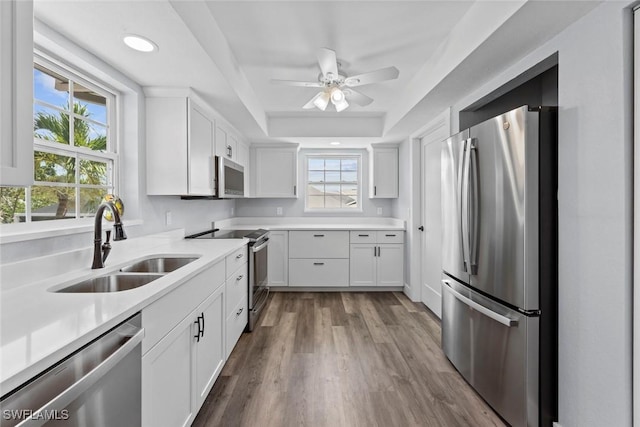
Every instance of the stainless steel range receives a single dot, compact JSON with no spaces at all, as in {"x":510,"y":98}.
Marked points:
{"x":258,"y":250}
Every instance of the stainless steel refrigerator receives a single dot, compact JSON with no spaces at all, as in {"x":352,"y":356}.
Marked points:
{"x":499,"y":258}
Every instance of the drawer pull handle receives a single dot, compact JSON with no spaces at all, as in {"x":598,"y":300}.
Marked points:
{"x":239,"y":256}
{"x":318,"y":235}
{"x":390,"y":235}
{"x":363,"y":235}
{"x":240,"y":311}
{"x":318,"y":263}
{"x":239,"y":277}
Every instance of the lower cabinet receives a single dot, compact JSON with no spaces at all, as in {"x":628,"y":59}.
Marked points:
{"x":278,"y":258}
{"x":209,"y":348}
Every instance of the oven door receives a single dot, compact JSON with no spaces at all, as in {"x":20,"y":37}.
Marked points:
{"x":258,"y":279}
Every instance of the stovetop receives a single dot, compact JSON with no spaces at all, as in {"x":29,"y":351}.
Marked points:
{"x":252,"y":235}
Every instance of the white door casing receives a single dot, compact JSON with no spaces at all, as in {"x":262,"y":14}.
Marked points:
{"x":636,"y":225}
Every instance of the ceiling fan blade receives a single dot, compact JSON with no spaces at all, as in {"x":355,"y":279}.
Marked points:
{"x":311,"y":104}
{"x":327,"y":61}
{"x":358,"y":97}
{"x":381,"y":75}
{"x":296,"y":83}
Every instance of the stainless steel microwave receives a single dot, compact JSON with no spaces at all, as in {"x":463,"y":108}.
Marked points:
{"x":229,"y":178}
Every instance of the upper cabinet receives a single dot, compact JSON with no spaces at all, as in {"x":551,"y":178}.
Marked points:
{"x":226,"y":143}
{"x":383,"y":172}
{"x":180,"y":147}
{"x":16,"y":93}
{"x":275,"y":170}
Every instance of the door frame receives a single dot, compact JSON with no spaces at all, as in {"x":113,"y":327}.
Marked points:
{"x":440,"y":123}
{"x":636,"y":221}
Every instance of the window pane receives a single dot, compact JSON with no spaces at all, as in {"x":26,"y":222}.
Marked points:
{"x":349,"y":196}
{"x":349,"y":176}
{"x":90,"y":135}
{"x":91,"y":104}
{"x":316,"y":176}
{"x":332,"y":190}
{"x":90,"y":199}
{"x":316,"y":164}
{"x":350,"y":164}
{"x":52,"y":203}
{"x":315,"y":190}
{"x":51,"y":167}
{"x":50,"y":87}
{"x":315,"y":202}
{"x":50,"y":124}
{"x":332,"y":176}
{"x":94,"y":172}
{"x":12,"y":204}
{"x":332,"y":164}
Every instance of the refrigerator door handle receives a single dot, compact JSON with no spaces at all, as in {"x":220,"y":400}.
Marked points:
{"x":474,"y":210}
{"x":464,"y":197}
{"x":478,"y":307}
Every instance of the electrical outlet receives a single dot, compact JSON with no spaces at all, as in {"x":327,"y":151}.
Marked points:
{"x":168,"y":218}
{"x":379,"y":211}
{"x":233,"y":211}
{"x":279,"y":211}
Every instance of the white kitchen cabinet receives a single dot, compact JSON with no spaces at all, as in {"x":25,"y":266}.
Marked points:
{"x":226,"y":143}
{"x":236,"y":310}
{"x":376,"y":264}
{"x":383,"y":172}
{"x":180,"y":147}
{"x":275,"y":171}
{"x":16,"y":93}
{"x":318,"y":258}
{"x":244,"y":159}
{"x":183,"y":349}
{"x":278,"y":258}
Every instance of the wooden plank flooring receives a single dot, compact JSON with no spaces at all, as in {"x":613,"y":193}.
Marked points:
{"x":343,"y":359}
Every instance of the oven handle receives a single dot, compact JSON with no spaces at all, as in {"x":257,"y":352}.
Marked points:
{"x":262,"y":246}
{"x":262,"y":302}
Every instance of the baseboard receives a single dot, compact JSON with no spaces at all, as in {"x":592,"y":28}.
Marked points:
{"x":335,"y":289}
{"x":408,"y":291}
{"x":433,"y":300}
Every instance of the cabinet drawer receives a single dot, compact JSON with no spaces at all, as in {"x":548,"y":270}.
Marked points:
{"x":319,"y":244}
{"x":318,"y":272}
{"x":364,"y":236}
{"x":163,"y":315}
{"x":394,"y":236}
{"x":236,"y":322}
{"x":237,"y":288}
{"x":235,"y":260}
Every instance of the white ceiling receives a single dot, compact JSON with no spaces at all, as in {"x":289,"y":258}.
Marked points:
{"x":229,"y":50}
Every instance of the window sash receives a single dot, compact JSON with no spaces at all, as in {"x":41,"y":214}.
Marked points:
{"x":335,"y":183}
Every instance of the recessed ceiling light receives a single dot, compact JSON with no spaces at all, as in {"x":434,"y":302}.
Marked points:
{"x":334,"y":143}
{"x":139,"y":43}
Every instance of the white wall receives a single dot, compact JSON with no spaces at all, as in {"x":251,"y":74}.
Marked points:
{"x":295,"y":207}
{"x":595,"y":209}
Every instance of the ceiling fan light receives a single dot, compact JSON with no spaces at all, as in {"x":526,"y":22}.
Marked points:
{"x":321,"y":100}
{"x":337,"y":96}
{"x":341,"y":105}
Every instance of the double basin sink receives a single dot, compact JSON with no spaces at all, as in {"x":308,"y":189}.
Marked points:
{"x":130,"y":277}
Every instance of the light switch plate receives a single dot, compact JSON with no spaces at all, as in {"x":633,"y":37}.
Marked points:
{"x":279,"y":211}
{"x":379,"y":211}
{"x":168,"y":219}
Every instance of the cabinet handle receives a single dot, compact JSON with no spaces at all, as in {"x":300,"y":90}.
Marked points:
{"x":294,"y":190}
{"x":378,"y":250}
{"x":390,"y":235}
{"x":202,"y":331}
{"x":318,"y":235}
{"x":363,"y":235}
{"x":229,"y":151}
{"x":239,"y":256}
{"x":239,"y":311}
{"x":375,"y":190}
{"x":318,"y":263}
{"x":375,"y":251}
{"x":199,"y":332}
{"x":239,"y":277}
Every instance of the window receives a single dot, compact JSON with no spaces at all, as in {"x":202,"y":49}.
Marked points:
{"x":74,"y":149}
{"x":333,"y":182}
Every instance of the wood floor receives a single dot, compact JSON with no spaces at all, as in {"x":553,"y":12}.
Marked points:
{"x":343,"y":359}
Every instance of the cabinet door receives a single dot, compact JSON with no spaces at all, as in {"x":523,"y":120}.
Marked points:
{"x":232,"y":147}
{"x":390,"y":265}
{"x":384,"y":173}
{"x":276,"y":172}
{"x":278,"y":258}
{"x":221,"y":142}
{"x":362,"y":269}
{"x":244,"y":159}
{"x":200,"y":152}
{"x":209,"y":350}
{"x":16,"y":93}
{"x":167,"y":398}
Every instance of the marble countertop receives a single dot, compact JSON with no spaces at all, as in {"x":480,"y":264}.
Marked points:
{"x":39,"y":327}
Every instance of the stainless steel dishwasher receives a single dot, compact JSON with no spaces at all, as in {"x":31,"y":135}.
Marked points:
{"x":98,"y":385}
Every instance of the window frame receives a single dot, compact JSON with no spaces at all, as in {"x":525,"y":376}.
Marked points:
{"x":333,"y":155}
{"x":109,"y":156}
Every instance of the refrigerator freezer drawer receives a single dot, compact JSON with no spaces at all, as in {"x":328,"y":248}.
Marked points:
{"x":495,"y":349}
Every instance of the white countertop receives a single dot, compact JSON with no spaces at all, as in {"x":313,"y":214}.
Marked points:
{"x":312,"y":223}
{"x":39,"y":327}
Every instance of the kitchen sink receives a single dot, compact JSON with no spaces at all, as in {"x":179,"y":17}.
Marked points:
{"x":111,"y":283}
{"x":158,"y":265}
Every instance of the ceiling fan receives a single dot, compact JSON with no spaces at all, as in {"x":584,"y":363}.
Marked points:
{"x":338,"y":88}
